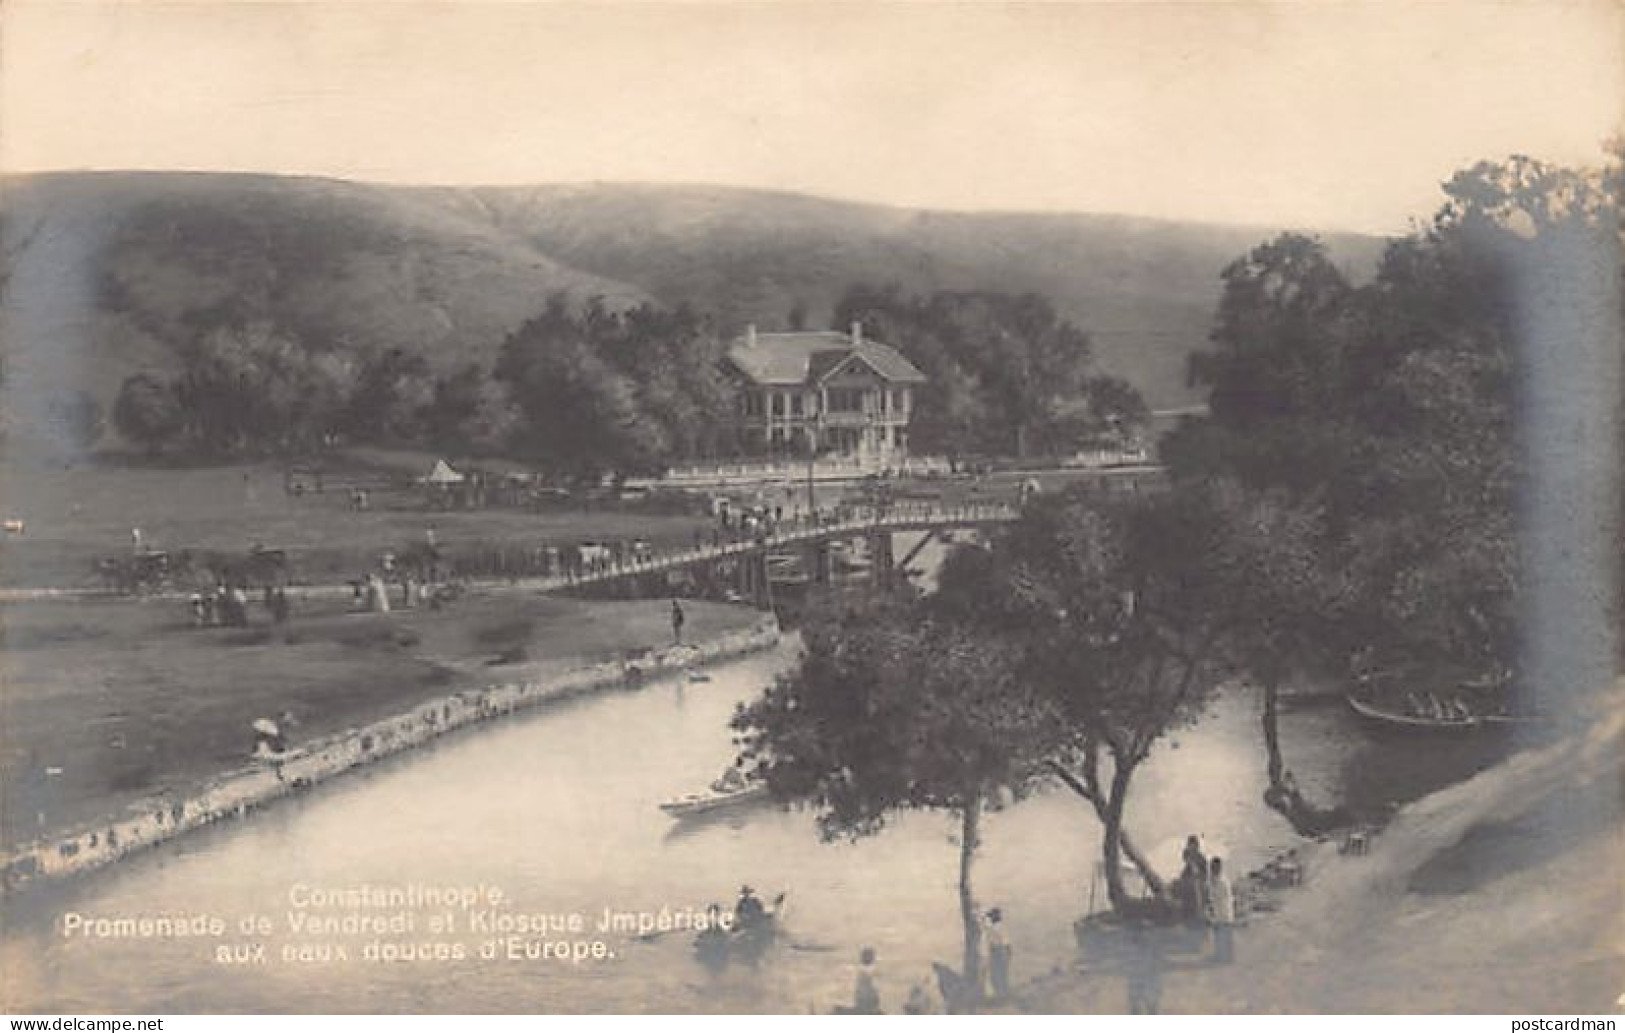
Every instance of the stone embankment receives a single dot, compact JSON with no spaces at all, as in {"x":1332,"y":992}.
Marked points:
{"x":236,"y":793}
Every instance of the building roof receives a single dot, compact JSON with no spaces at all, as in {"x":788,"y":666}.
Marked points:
{"x":806,"y":357}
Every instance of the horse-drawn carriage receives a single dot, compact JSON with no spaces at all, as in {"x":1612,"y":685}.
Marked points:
{"x":144,"y":573}
{"x":155,"y":571}
{"x":258,"y":568}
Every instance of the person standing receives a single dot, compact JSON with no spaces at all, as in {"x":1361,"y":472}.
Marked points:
{"x":998,"y":954}
{"x":865,"y":987}
{"x":1221,"y":903}
{"x":678,"y":619}
{"x":1193,"y":883}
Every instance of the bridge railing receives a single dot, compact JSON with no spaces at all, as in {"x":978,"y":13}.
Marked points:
{"x":795,"y":530}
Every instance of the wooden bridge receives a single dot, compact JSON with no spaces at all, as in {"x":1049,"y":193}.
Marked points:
{"x":742,"y":562}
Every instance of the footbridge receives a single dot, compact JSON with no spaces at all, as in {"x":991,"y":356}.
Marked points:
{"x":739,"y":561}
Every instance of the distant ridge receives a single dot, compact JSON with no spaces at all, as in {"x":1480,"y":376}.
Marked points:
{"x":104,"y":272}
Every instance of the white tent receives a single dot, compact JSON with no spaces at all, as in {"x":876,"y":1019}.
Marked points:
{"x":443,"y":474}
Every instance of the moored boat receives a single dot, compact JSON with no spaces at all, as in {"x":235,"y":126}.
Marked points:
{"x":1451,"y":717}
{"x":730,"y":790}
{"x":1399,"y":719}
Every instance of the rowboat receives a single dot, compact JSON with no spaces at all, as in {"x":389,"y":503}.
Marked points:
{"x":1443,"y":723}
{"x":1395,"y":718}
{"x":713,"y":799}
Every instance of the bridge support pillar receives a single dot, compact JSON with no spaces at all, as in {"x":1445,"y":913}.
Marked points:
{"x":819,"y":562}
{"x":880,"y":557}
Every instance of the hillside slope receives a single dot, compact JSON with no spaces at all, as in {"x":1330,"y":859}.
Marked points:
{"x":105,"y":273}
{"x":1145,"y":289}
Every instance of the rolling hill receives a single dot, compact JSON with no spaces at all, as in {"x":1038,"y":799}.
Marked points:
{"x":105,"y":272}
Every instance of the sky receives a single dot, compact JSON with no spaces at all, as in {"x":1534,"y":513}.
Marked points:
{"x":1314,"y":114}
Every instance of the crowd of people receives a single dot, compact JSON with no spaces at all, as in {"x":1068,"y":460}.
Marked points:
{"x":1206,"y":902}
{"x":223,"y":606}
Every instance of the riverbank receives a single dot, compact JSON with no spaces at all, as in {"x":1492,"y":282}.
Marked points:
{"x":356,"y":686}
{"x":1500,"y":894}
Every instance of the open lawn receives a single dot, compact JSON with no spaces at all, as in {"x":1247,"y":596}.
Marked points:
{"x":74,"y":516}
{"x":108,"y":701}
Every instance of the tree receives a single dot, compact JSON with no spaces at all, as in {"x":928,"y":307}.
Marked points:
{"x":1000,"y":367}
{"x":1112,"y":414}
{"x":1406,"y":415}
{"x":470,"y":411}
{"x":581,"y":416}
{"x":147,"y":411}
{"x":252,"y":386}
{"x":1116,"y":617}
{"x":1272,"y":355}
{"x":1286,"y":610}
{"x":893,"y":710}
{"x":393,"y":393}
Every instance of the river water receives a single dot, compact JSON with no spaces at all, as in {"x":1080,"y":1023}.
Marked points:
{"x":558,"y":808}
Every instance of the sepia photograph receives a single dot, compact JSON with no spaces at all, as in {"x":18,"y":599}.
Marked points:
{"x":729,"y":508}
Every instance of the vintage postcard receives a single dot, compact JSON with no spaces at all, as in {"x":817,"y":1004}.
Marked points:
{"x":811,"y":508}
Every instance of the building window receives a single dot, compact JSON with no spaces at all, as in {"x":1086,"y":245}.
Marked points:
{"x":845,"y":399}
{"x":795,"y":405}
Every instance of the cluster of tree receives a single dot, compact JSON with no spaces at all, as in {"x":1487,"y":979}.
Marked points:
{"x":1351,"y":504}
{"x":1064,"y":648}
{"x":243,"y":387}
{"x":1008,"y":376}
{"x":1422,"y":418}
{"x":629,"y":392}
{"x":578,"y":393}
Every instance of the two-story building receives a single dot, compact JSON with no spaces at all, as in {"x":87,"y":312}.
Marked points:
{"x":824,"y":391}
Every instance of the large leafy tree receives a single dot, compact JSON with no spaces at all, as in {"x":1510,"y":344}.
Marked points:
{"x":1116,"y":611}
{"x":251,"y":386}
{"x":147,"y":412}
{"x":580,"y":414}
{"x":1408,"y":414}
{"x":1002,"y":367}
{"x":624,"y":392}
{"x":893,"y":708}
{"x":393,"y":393}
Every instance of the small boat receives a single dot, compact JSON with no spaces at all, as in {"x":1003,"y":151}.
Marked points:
{"x":718,"y":945}
{"x":720,"y":795}
{"x":1442,"y":721}
{"x":1453,"y":719}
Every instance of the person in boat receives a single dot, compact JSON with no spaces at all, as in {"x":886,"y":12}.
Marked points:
{"x":711,"y":945}
{"x":732,"y":781}
{"x":749,"y":912}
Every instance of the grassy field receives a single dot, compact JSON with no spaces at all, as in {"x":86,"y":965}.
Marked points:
{"x":107,"y":701}
{"x":74,"y":516}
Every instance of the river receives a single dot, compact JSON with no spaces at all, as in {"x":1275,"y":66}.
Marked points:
{"x":558,"y":809}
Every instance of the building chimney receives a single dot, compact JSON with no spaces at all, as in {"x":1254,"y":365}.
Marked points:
{"x":857,"y":333}
{"x":750,"y":336}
